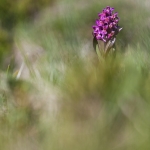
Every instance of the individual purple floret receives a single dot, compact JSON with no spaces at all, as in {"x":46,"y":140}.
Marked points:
{"x":106,"y":27}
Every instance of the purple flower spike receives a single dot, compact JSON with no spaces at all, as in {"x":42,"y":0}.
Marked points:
{"x":106,"y":27}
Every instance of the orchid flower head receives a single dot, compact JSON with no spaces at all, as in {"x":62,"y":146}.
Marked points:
{"x":106,"y":27}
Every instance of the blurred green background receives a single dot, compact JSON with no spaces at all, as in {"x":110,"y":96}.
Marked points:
{"x":56,"y":94}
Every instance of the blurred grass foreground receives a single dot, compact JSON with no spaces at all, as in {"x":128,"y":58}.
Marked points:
{"x":54,"y":92}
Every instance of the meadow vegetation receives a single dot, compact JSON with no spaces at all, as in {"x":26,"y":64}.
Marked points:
{"x":65,"y":97}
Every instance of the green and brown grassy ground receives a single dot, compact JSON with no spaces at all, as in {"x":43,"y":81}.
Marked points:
{"x":65,"y":98}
